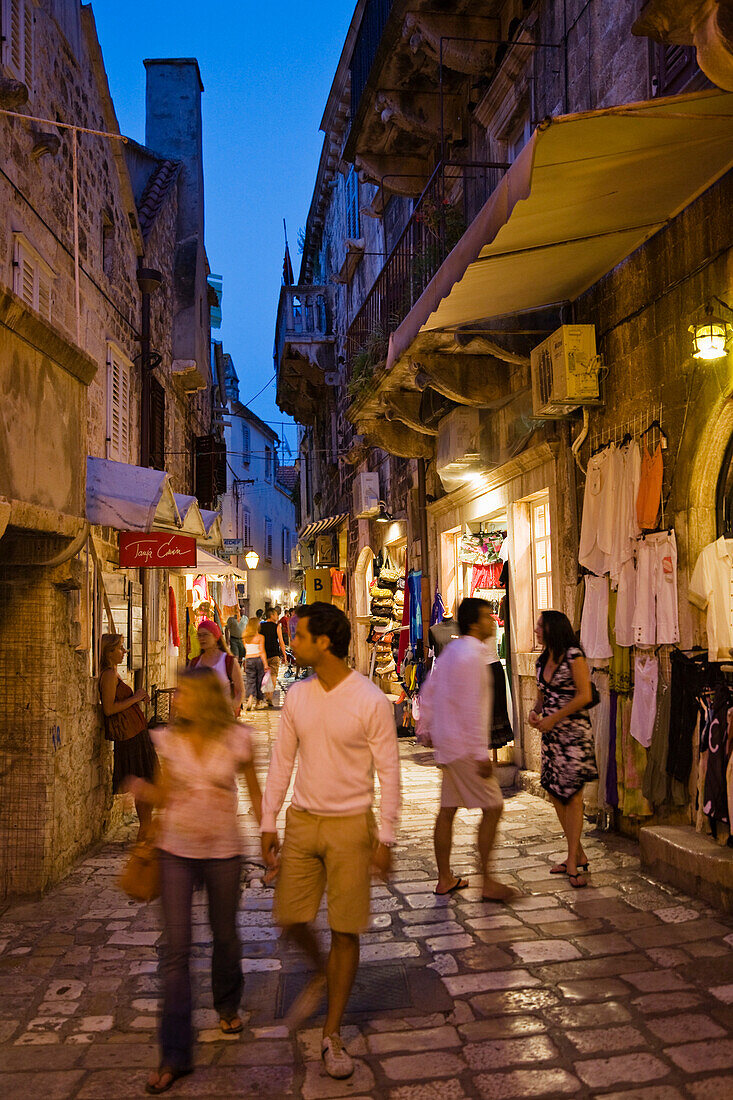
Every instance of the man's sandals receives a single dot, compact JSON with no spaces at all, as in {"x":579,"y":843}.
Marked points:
{"x":459,"y":884}
{"x":232,"y":1026}
{"x":578,"y":880}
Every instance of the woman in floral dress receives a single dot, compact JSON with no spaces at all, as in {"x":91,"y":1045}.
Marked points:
{"x":560,"y":712}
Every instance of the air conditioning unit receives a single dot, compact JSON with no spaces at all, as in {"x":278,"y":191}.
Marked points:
{"x":458,"y":451}
{"x":565,"y":370}
{"x":366,"y":495}
{"x":325,"y":551}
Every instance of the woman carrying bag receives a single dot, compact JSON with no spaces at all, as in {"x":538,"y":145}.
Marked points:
{"x":198,"y":840}
{"x":255,"y":663}
{"x":215,"y":655}
{"x":560,"y":713}
{"x":125,"y":725}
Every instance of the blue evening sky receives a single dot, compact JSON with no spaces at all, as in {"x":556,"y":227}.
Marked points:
{"x":266,"y":69}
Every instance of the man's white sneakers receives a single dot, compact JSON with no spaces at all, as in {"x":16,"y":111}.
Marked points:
{"x":337,"y":1061}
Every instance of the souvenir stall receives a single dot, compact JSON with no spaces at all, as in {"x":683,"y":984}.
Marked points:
{"x":662,"y":735}
{"x":213,"y":589}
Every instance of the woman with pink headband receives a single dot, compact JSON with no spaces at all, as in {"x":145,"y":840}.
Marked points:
{"x":215,"y":655}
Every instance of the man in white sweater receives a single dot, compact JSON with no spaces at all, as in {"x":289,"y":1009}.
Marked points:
{"x":342,"y":727}
{"x":456,"y":711}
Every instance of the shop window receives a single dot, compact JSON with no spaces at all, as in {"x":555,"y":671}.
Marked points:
{"x":541,"y":554}
{"x":17,"y":39}
{"x":118,"y":405}
{"x":353,"y":227}
{"x":268,"y":463}
{"x":268,"y":539}
{"x":33,"y":278}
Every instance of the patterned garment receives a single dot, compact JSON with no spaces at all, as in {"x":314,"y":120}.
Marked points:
{"x":568,"y":757}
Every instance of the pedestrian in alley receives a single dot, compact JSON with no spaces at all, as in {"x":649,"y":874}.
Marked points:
{"x":255,"y":663}
{"x":198,"y":843}
{"x":560,"y":713}
{"x":274,"y":648}
{"x":234,"y":635}
{"x":341,"y":726}
{"x":125,"y":725}
{"x":216,"y":656}
{"x":456,"y":713}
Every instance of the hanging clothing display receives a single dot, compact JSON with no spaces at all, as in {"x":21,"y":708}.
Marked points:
{"x":404,"y":635}
{"x":630,"y":765}
{"x":200,"y":589}
{"x":644,"y":706}
{"x":649,"y":496}
{"x":337,"y":582}
{"x":437,"y":612}
{"x":659,"y":787}
{"x":611,"y":772}
{"x":690,"y":674}
{"x":711,"y":589}
{"x":656,"y":616}
{"x":599,"y":718}
{"x":414,"y":585}
{"x":626,"y":603}
{"x":173,"y":635}
{"x":596,"y":532}
{"x":486,"y":576}
{"x":481,"y":549}
{"x":627,"y":472}
{"x":621,"y":677}
{"x":594,"y":621}
{"x":714,"y":738}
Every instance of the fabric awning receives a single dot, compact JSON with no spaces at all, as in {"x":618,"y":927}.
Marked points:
{"x":584,"y":193}
{"x":211,"y":565}
{"x":322,"y":526}
{"x":136,"y":498}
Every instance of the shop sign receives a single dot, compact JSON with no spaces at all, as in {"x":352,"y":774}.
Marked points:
{"x":233,"y":546}
{"x":156,"y":550}
{"x":318,"y":585}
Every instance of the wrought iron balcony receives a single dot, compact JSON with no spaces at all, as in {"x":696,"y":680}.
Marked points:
{"x":304,"y":349}
{"x":451,"y":200}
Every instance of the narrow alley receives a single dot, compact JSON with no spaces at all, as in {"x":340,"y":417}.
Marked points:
{"x":622,"y":989}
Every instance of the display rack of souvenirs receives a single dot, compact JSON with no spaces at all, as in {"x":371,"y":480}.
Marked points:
{"x":386,"y":601}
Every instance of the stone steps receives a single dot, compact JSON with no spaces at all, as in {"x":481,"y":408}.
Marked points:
{"x":690,"y":861}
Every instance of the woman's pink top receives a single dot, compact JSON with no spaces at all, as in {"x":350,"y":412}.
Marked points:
{"x":199,"y":819}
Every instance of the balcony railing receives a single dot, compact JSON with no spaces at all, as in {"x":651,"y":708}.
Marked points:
{"x":374,"y":20}
{"x":303,"y":315}
{"x":454,"y":195}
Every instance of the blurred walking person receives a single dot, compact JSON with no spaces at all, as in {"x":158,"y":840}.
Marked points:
{"x":234,"y":635}
{"x":274,"y":648}
{"x":198,"y":840}
{"x":125,"y":725}
{"x":342,"y":727}
{"x":456,"y":713}
{"x":255,"y":663}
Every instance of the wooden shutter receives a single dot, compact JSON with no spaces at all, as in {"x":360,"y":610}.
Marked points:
{"x":16,"y":35}
{"x":28,"y":274}
{"x":17,"y":29}
{"x":27,"y":12}
{"x":268,"y":539}
{"x":118,"y":408}
{"x":44,"y":296}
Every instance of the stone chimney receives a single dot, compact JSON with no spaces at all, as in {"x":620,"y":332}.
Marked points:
{"x":173,"y":130}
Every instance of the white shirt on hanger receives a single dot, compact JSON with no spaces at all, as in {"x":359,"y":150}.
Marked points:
{"x":596,"y":534}
{"x":711,"y":589}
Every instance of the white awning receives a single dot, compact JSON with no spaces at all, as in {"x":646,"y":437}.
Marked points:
{"x":585,"y":192}
{"x":211,"y":566}
{"x":322,"y":526}
{"x":136,"y":498}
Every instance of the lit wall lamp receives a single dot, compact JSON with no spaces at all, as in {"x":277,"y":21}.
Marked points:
{"x":710,"y":335}
{"x":384,"y":516}
{"x":252,"y":559}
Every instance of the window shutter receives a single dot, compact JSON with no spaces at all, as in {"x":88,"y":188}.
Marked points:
{"x":27,"y":281}
{"x":27,"y":9}
{"x":16,"y":35}
{"x":124,"y":412}
{"x":44,"y":296}
{"x":118,"y":403}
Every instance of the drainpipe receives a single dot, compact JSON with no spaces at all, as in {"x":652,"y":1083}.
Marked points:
{"x":148,"y":280}
{"x":422,"y":506}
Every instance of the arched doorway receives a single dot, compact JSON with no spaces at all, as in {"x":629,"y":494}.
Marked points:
{"x":362,"y":579}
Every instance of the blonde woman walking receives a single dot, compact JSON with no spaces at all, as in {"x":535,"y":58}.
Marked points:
{"x":199,"y":843}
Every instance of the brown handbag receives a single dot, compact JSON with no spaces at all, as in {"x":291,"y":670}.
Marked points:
{"x":140,"y":877}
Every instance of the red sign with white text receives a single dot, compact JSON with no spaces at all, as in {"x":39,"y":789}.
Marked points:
{"x":156,"y":550}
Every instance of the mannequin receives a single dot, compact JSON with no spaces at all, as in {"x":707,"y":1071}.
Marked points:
{"x":443,"y":632}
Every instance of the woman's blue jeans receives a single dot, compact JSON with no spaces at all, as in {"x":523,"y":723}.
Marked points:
{"x":179,"y":876}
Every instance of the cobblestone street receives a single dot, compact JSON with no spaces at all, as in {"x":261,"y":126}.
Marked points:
{"x":623,"y":989}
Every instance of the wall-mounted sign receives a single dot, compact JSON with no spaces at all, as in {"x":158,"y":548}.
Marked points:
{"x":318,"y":585}
{"x":156,"y":550}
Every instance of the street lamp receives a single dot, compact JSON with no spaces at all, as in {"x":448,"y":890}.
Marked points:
{"x":384,"y":516}
{"x":252,"y":559}
{"x":710,"y":334}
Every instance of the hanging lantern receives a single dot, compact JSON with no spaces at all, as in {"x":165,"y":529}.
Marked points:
{"x":709,"y":336}
{"x":252,"y":559}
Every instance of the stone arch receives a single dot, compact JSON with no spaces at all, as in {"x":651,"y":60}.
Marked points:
{"x":361,"y":604}
{"x":706,"y":465}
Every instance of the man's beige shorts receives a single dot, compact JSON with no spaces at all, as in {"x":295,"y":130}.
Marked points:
{"x":273,"y":663}
{"x":325,"y":852}
{"x":463,"y":786}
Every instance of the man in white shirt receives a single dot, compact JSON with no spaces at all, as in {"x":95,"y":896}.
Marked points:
{"x":456,"y":710}
{"x":342,"y":727}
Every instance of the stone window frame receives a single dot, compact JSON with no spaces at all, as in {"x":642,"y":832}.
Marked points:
{"x":18,"y":26}
{"x":536,"y":541}
{"x":119,"y":374}
{"x":33,"y":277}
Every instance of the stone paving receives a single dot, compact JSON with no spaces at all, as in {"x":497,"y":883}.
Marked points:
{"x":623,"y":989}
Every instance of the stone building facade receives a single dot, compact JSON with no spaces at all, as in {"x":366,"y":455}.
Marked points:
{"x":450,"y":380}
{"x":71,"y":379}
